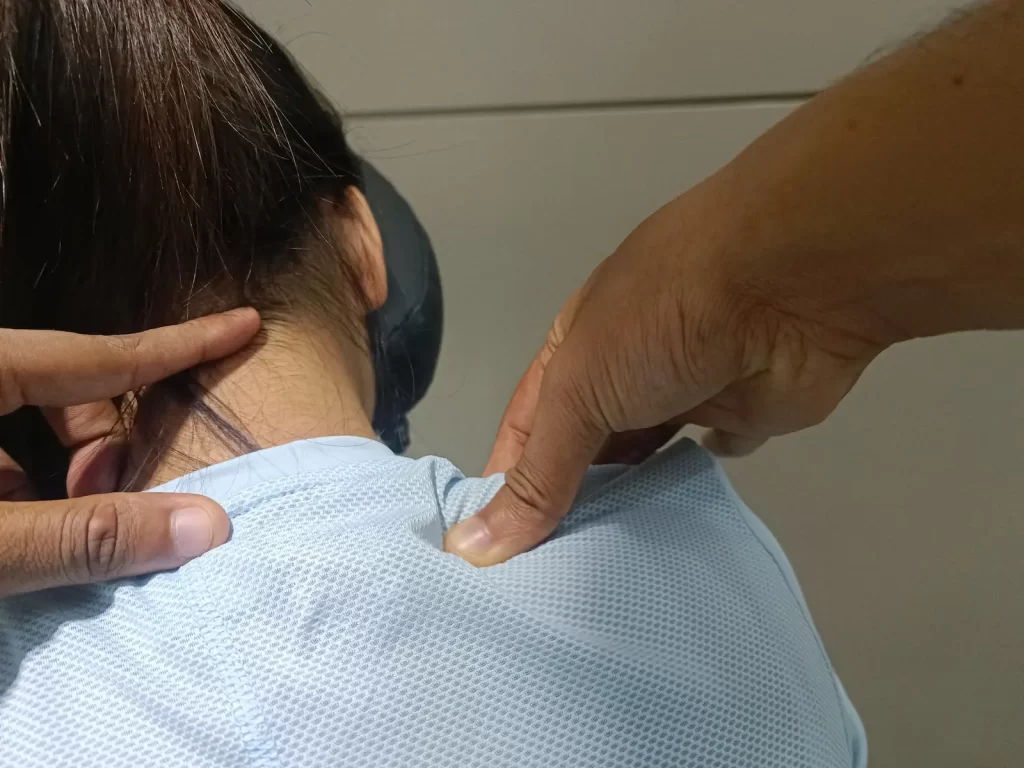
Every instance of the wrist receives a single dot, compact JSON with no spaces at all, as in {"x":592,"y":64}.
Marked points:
{"x":866,"y":230}
{"x":775,"y":254}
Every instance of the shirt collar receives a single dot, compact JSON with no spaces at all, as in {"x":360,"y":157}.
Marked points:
{"x":222,"y":481}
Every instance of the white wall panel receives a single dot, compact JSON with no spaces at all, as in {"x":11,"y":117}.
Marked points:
{"x":386,"y":55}
{"x":902,"y":514}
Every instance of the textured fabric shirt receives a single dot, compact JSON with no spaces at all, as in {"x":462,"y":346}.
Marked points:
{"x":661,"y":626}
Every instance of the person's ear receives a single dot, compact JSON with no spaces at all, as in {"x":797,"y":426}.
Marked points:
{"x":362,"y":245}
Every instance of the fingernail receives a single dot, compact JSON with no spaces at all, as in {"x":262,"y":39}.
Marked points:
{"x":471,"y":537}
{"x":192,"y":531}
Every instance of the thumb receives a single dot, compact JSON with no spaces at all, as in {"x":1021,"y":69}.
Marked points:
{"x":98,"y":538}
{"x":540,"y":488}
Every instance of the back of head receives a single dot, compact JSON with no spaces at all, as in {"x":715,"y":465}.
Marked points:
{"x":161,"y":161}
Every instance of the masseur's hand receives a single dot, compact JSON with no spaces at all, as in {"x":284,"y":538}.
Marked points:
{"x":889,"y":207}
{"x":101,"y":537}
{"x":637,"y":353}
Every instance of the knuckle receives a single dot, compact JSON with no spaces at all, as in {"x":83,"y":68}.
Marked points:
{"x":127,"y":344}
{"x":702,"y":337}
{"x":194,"y":339}
{"x":517,"y":435}
{"x":534,"y":505}
{"x":12,"y":395}
{"x":590,"y":395}
{"x":556,"y":334}
{"x":97,"y":541}
{"x":552,"y":341}
{"x":128,"y":348}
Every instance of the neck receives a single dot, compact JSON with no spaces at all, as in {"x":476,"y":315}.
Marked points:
{"x":293,"y":383}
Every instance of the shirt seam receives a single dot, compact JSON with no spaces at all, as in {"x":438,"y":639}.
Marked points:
{"x":739,"y":506}
{"x":261,"y":751}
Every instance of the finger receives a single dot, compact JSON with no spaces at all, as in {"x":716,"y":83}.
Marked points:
{"x":51,"y":368}
{"x":14,"y":483}
{"x":518,"y":419}
{"x":98,"y":538}
{"x":731,"y":445}
{"x":517,"y":422}
{"x":638,"y":445}
{"x":96,"y":440}
{"x":730,"y":433}
{"x":540,"y":488}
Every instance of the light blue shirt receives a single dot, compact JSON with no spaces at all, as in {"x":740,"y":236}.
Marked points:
{"x":661,"y":626}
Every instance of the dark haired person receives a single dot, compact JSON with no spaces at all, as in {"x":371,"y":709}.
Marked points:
{"x":164,"y":161}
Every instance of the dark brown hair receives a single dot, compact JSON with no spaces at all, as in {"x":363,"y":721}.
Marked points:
{"x":160,"y":160}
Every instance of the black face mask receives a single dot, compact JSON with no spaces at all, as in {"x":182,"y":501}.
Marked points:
{"x":406,"y":331}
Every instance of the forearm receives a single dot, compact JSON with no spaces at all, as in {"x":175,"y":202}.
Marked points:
{"x":899,"y":191}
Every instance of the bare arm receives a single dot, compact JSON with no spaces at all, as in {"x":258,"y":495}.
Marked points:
{"x":888,"y":207}
{"x":900,"y":191}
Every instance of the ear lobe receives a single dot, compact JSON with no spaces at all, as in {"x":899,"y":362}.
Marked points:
{"x":365,"y":248}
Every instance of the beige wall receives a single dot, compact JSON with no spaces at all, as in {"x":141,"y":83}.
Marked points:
{"x":532,"y":136}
